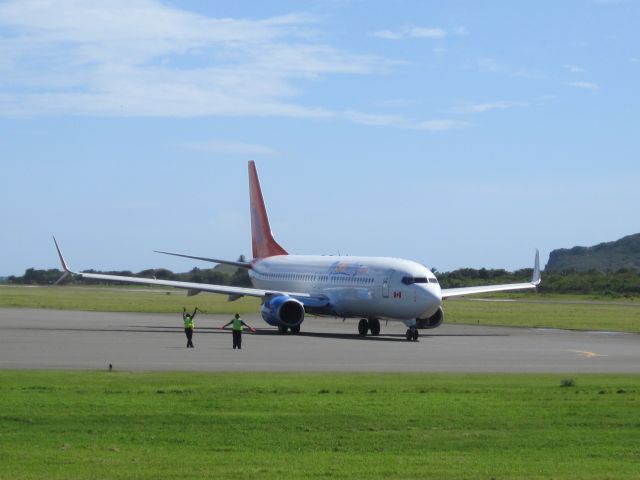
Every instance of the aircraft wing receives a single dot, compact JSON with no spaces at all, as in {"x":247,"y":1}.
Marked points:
{"x":459,"y":292}
{"x":194,"y":287}
{"x":190,"y":286}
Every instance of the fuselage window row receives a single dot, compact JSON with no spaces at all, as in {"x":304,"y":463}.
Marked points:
{"x":326,"y":278}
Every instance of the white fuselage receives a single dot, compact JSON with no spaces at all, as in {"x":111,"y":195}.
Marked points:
{"x":365,"y":287}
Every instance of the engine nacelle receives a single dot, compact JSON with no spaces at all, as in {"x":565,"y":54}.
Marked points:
{"x":283,"y":311}
{"x":433,"y":321}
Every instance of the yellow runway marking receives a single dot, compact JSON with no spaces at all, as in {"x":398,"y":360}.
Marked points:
{"x":587,"y":354}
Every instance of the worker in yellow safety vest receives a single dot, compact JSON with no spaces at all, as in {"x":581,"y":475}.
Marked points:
{"x":187,"y":318}
{"x":237,"y":327}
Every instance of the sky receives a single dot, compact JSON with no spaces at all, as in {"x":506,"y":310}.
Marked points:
{"x":457,"y":133}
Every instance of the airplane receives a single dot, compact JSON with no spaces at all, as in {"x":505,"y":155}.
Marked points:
{"x":294,"y":286}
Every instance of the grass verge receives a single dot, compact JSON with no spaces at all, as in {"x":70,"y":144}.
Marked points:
{"x":120,"y":299}
{"x":609,"y":316}
{"x":192,"y":425}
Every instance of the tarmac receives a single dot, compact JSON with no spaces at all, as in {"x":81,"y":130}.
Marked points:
{"x":71,"y":340}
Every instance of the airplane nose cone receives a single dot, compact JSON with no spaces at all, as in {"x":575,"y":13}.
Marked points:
{"x":430,"y":299}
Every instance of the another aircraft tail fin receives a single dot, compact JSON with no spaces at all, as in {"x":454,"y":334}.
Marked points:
{"x":264,"y":245}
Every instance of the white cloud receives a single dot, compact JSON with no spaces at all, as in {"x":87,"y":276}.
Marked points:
{"x":145,"y":58}
{"x":547,"y":98}
{"x":398,"y":121}
{"x":377,"y":119}
{"x":441,"y":125}
{"x":411,"y":32}
{"x":439,"y":51}
{"x":584,"y":85}
{"x":475,"y":108}
{"x":399,"y":102}
{"x":491,"y":65}
{"x":427,"y":32}
{"x":227,"y":147}
{"x":488,"y":65}
{"x":573,"y":68}
{"x":387,"y":35}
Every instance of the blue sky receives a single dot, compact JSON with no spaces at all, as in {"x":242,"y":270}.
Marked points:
{"x":457,"y":134}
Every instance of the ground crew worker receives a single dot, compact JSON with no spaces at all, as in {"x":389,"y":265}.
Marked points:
{"x":238,"y":324}
{"x":187,"y":318}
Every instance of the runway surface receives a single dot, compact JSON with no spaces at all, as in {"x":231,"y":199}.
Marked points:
{"x":49,"y":339}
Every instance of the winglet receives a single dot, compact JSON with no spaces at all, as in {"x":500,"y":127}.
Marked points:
{"x":535,"y":279}
{"x":67,"y":272}
{"x":264,"y":245}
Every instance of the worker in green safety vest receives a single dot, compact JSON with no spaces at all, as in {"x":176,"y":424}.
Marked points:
{"x":187,"y":318}
{"x":237,"y":327}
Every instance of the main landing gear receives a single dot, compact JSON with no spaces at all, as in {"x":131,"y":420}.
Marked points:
{"x":372,"y":325}
{"x":412,"y":334}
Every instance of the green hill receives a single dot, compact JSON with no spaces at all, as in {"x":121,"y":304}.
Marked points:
{"x":609,"y":256}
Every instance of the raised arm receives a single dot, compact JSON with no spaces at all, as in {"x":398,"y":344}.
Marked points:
{"x":248,"y":326}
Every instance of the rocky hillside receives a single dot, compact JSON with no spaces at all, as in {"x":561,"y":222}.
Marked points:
{"x":609,"y":256}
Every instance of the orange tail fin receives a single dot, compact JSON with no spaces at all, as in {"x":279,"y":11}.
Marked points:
{"x":263,"y":242}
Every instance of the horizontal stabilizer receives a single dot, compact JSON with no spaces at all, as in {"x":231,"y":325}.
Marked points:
{"x":212,"y":260}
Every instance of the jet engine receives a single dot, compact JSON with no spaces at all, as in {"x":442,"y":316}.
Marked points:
{"x":433,"y":321}
{"x":283,"y":311}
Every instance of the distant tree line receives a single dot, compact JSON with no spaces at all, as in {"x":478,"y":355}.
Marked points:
{"x":624,"y":282}
{"x":239,"y":278}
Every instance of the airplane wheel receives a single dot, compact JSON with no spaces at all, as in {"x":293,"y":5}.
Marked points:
{"x":295,"y":329}
{"x":374,"y":326}
{"x":412,"y":334}
{"x":282,"y":329}
{"x":363,"y":326}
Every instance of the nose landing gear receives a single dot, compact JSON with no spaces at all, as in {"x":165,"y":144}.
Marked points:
{"x":412,"y":334}
{"x":283,"y":330}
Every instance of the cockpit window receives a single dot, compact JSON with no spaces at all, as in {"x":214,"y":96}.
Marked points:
{"x":412,"y":280}
{"x":433,"y":280}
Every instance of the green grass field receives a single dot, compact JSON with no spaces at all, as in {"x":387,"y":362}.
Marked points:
{"x":120,"y":299}
{"x":180,"y":425}
{"x":586,"y":313}
{"x":611,"y":316}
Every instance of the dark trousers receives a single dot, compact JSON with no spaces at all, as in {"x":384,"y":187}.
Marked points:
{"x":237,"y":339}
{"x":189,"y":333}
